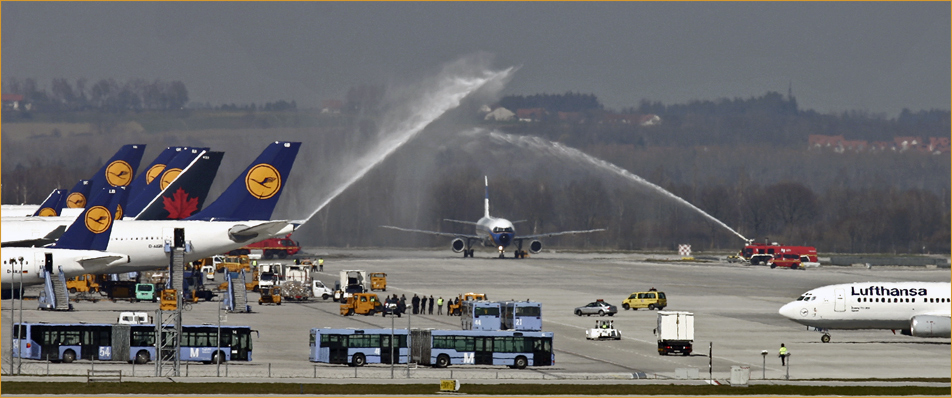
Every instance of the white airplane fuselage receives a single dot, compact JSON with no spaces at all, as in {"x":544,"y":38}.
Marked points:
{"x":144,"y":241}
{"x":870,"y":305}
{"x":26,"y":264}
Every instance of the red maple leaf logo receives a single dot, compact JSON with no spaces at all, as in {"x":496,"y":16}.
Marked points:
{"x":179,"y":205}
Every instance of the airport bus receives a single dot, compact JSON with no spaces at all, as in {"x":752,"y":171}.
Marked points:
{"x":441,"y":348}
{"x":521,"y":315}
{"x":356,"y":347}
{"x":480,"y":315}
{"x":67,"y":342}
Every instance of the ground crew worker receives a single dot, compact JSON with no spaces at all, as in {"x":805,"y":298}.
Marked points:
{"x":423,"y":305}
{"x":320,"y":264}
{"x":783,"y":355}
{"x":439,"y":306}
{"x":431,"y":304}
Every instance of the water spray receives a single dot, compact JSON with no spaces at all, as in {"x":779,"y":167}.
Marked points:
{"x":557,"y":149}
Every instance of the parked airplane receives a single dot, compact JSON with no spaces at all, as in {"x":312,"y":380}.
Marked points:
{"x":79,"y":251}
{"x":186,"y":193}
{"x":153,"y":170}
{"x":52,"y":205}
{"x":148,"y":193}
{"x":919,"y":309}
{"x":492,"y":232}
{"x":241,"y":215}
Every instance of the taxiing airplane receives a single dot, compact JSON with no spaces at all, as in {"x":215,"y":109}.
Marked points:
{"x":492,"y":232}
{"x":919,"y":309}
{"x":79,"y":251}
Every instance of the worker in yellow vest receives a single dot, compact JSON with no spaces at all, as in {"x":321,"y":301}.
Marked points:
{"x":783,"y":355}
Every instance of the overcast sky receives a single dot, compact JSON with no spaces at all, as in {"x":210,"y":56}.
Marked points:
{"x":876,"y":57}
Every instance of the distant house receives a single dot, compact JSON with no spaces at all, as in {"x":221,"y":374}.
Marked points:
{"x":938,"y":145}
{"x":531,"y":114}
{"x":907,"y":143}
{"x":649,"y":120}
{"x":332,"y":106}
{"x":499,"y":114}
{"x":571,"y":117}
{"x":14,"y":102}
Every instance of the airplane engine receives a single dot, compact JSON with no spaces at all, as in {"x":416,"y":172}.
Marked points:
{"x":535,"y":247}
{"x":458,"y":245}
{"x":931,"y":326}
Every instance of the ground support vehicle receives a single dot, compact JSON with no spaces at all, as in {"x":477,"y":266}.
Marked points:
{"x":147,"y":292}
{"x":378,"y":281}
{"x":269,"y":295}
{"x":86,"y":283}
{"x":453,"y":308}
{"x":652,"y":300}
{"x":295,"y":291}
{"x":319,"y":290}
{"x":675,"y":332}
{"x":271,"y":248}
{"x":357,"y":347}
{"x":598,"y":307}
{"x":762,"y":253}
{"x":604,"y":330}
{"x":441,"y":348}
{"x":362,"y":303}
{"x":792,"y":261}
{"x":480,"y":315}
{"x":351,"y":282}
{"x":134,"y":318}
{"x":521,"y":315}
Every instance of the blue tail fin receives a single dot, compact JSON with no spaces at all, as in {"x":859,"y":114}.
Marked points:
{"x":255,"y":192}
{"x":175,"y":166}
{"x":78,"y":195}
{"x":186,"y":195}
{"x":91,"y":229}
{"x":149,"y":173}
{"x":119,"y":170}
{"x":53,"y":204}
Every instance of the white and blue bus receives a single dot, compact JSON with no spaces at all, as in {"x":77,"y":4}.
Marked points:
{"x":480,"y":315}
{"x":67,"y":342}
{"x":357,"y":347}
{"x":441,"y":348}
{"x":521,"y":315}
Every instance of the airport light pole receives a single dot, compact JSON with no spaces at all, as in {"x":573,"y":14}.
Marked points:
{"x":218,"y":343}
{"x":20,"y":357}
{"x":391,"y":345}
{"x":764,"y":368}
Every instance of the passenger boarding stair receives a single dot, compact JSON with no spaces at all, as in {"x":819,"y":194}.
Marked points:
{"x":236,"y":298}
{"x":55,"y":296}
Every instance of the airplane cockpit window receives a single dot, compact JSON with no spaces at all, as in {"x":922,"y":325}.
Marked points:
{"x":800,"y":298}
{"x":501,"y":229}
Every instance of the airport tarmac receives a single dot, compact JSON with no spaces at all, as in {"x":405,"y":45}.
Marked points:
{"x":735,"y":309}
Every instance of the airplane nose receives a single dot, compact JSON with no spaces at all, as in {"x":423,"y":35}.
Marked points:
{"x":791,"y":310}
{"x":504,"y":239}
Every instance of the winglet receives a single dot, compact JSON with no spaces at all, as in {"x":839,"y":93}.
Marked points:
{"x":255,"y":193}
{"x":486,"y":202}
{"x":91,"y":230}
{"x":53,"y":204}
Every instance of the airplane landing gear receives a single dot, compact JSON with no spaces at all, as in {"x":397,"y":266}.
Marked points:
{"x":825,"y":338}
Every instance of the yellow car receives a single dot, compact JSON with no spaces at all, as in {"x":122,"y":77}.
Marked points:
{"x":652,"y":300}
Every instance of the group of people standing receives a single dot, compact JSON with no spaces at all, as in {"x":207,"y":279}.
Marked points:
{"x":419,"y":305}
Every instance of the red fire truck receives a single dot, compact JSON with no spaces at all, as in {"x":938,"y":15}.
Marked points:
{"x":777,"y":255}
{"x":271,"y":248}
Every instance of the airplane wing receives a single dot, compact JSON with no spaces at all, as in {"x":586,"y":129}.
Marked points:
{"x":431,"y":232}
{"x":101,"y":261}
{"x":560,"y":233}
{"x":37,"y":242}
{"x":457,"y":221}
{"x":242,"y":233}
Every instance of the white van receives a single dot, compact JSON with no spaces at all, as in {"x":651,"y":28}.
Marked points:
{"x":209,"y":271}
{"x":319,"y":290}
{"x":133,"y":318}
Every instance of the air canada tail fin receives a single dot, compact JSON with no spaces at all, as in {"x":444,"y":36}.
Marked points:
{"x":486,"y":202}
{"x":254,"y":194}
{"x":186,"y":194}
{"x":53,"y":204}
{"x":78,"y":195}
{"x":151,"y":172}
{"x":119,"y":170}
{"x":179,"y":162}
{"x":91,"y":230}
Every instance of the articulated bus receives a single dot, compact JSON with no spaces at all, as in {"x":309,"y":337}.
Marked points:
{"x":356,"y":347}
{"x":67,"y":342}
{"x":480,"y":315}
{"x":441,"y":348}
{"x":521,"y":315}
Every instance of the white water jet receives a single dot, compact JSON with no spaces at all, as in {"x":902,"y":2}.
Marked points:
{"x":557,"y":149}
{"x":450,"y":88}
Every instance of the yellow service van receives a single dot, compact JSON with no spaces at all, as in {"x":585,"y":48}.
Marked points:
{"x":652,"y":300}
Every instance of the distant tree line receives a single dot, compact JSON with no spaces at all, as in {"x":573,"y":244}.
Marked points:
{"x":568,"y":102}
{"x":106,"y":95}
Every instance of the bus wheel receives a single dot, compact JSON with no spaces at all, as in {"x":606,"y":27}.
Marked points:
{"x":142,"y":357}
{"x":359,"y":360}
{"x":217,"y":357}
{"x":520,"y":363}
{"x":442,"y":361}
{"x":69,"y":356}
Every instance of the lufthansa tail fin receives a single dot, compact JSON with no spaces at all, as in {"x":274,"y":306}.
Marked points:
{"x":179,"y":162}
{"x":53,"y":204}
{"x":119,"y":170}
{"x":255,"y":193}
{"x":186,"y":194}
{"x":151,"y":172}
{"x":78,"y":195}
{"x":91,"y":230}
{"x":486,"y":202}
